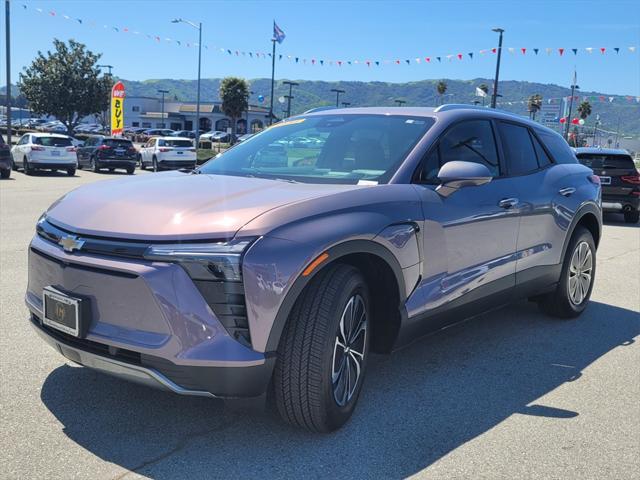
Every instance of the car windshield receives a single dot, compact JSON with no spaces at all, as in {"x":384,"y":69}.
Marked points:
{"x":115,"y":143}
{"x":53,"y":141}
{"x":175,"y":143}
{"x":599,"y":161}
{"x":325,"y":149}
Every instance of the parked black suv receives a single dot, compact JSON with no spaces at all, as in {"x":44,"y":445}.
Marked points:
{"x":619,"y":178}
{"x":5,"y":159}
{"x":100,"y":152}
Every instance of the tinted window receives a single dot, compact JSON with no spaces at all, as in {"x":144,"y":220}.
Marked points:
{"x":519,"y":154}
{"x":53,"y":141}
{"x":543,"y":158}
{"x":599,"y":161}
{"x":470,"y":141}
{"x":117,"y":143}
{"x":557,"y":146}
{"x":175,"y":143}
{"x":326,"y":149}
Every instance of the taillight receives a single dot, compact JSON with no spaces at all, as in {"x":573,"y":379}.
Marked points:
{"x":164,"y":150}
{"x":132,"y":150}
{"x":594,"y":179}
{"x":71,"y":149}
{"x":634,"y":179}
{"x":104,"y":147}
{"x":36,"y":148}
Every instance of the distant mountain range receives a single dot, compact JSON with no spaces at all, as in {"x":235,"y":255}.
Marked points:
{"x":620,"y":113}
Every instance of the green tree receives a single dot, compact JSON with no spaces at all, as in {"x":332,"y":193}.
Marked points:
{"x":441,"y":88}
{"x":234,"y":93}
{"x":66,"y":83}
{"x":534,"y":104}
{"x":584,"y":109}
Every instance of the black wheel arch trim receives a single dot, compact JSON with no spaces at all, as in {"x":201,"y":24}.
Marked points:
{"x":585,"y":209}
{"x":335,"y":253}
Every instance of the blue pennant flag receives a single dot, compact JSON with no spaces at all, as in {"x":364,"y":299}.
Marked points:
{"x":278,"y":34}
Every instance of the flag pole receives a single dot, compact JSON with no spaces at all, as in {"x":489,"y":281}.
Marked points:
{"x":273,"y":70}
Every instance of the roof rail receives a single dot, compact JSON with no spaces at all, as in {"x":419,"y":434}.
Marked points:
{"x":319,"y":109}
{"x":458,"y":106}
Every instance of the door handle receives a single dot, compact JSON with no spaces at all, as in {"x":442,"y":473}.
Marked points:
{"x":508,"y":203}
{"x":566,"y":192}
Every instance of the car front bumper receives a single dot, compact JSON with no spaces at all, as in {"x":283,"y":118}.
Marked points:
{"x":148,"y":323}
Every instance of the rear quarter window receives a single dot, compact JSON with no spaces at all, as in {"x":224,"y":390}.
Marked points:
{"x":557,"y":146}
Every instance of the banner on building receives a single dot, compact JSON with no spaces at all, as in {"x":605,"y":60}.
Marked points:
{"x":117,"y":109}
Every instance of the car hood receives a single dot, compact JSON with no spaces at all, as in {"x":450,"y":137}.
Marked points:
{"x":176,"y":206}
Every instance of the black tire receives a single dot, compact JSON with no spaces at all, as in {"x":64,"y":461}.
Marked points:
{"x":154,"y":163}
{"x":14,"y":167}
{"x":142,"y":165}
{"x":26,"y":167}
{"x":561,"y":303}
{"x":131,"y":170}
{"x":305,"y":393}
{"x":94,"y":165}
{"x":631,"y":217}
{"x":71,"y":172}
{"x":5,"y":173}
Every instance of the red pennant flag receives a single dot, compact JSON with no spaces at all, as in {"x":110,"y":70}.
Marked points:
{"x":459,"y":56}
{"x":52,"y":13}
{"x":602,"y":50}
{"x":428,"y":59}
{"x":125,"y":29}
{"x":339,"y":63}
{"x":494,"y":50}
{"x":313,"y":61}
{"x":369,"y":63}
{"x":601,"y":98}
{"x":524,"y":50}
{"x":561,"y":51}
{"x":398,"y":62}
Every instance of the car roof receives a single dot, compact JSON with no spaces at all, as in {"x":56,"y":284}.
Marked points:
{"x":172,"y":138}
{"x":602,"y":151}
{"x":45,"y":134}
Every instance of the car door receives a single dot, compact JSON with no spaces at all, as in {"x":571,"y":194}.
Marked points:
{"x":470,"y":236}
{"x":83,"y":151}
{"x":19,"y":151}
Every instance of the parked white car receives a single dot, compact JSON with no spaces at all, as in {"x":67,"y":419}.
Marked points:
{"x":44,"y":151}
{"x":167,"y":152}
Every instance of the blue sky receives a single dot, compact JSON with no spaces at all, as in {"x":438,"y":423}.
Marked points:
{"x":345,"y":30}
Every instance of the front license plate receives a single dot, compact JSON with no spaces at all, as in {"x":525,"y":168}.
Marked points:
{"x":605,"y":180}
{"x":61,"y":311}
{"x":55,"y":153}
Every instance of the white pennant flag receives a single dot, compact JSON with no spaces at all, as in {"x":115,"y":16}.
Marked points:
{"x":511,"y":50}
{"x":632,"y":49}
{"x":610,"y":99}
{"x":480,"y":92}
{"x":589,"y":49}
{"x":548,"y":50}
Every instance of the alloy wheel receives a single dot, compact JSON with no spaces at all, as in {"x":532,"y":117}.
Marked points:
{"x":349,"y":350}
{"x":580,"y":273}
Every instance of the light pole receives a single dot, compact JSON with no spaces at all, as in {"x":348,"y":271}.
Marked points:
{"x":338,"y":92}
{"x":108,"y":119}
{"x":7,"y":26}
{"x":246,"y":128}
{"x":197,"y":26}
{"x":162,"y":115}
{"x":574,"y":87}
{"x":289,"y":97}
{"x":106,"y":66}
{"x":345,"y":104}
{"x":400,"y":102}
{"x":495,"y":80}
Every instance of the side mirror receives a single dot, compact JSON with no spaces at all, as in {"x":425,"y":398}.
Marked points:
{"x":455,"y":175}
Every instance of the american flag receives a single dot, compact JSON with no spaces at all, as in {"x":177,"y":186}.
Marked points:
{"x":278,"y":34}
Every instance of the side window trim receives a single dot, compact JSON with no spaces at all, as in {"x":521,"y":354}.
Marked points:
{"x":535,"y":136}
{"x":507,"y":167}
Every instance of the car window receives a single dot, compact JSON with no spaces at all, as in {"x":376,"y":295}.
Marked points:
{"x":557,"y":146}
{"x":543,"y":158}
{"x":117,"y":143}
{"x":326,"y":148}
{"x":175,"y":143}
{"x":24,"y":140}
{"x":519,"y":153}
{"x":468,"y":141}
{"x":601,"y":161}
{"x":52,"y":141}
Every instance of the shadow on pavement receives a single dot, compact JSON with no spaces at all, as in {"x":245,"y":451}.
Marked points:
{"x":417,"y":405}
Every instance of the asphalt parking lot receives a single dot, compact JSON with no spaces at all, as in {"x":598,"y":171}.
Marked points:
{"x":511,"y":394}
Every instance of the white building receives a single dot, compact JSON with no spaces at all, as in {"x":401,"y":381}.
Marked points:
{"x":146,"y":112}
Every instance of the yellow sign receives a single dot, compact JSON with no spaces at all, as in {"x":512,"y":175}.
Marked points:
{"x":117,"y":109}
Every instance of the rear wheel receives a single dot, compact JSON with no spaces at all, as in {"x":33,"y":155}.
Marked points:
{"x":5,"y":173}
{"x":71,"y":172}
{"x":155,"y":164}
{"x":576,"y":281}
{"x":131,"y":170}
{"x":631,"y":217}
{"x":323,"y":352}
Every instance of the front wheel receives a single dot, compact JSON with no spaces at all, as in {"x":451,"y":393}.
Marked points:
{"x":131,"y":170}
{"x":322,"y":356}
{"x":94,"y":165}
{"x":576,"y":281}
{"x":631,"y":217}
{"x":155,"y":164}
{"x":5,"y":173}
{"x":26,"y":167}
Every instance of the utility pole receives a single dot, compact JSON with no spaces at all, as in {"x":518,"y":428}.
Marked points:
{"x":338,"y":92}
{"x":494,"y":97}
{"x":246,"y":128}
{"x":162,"y":115}
{"x":107,"y":123}
{"x":273,"y":73}
{"x":7,"y":28}
{"x":289,"y":97}
{"x":574,"y":87}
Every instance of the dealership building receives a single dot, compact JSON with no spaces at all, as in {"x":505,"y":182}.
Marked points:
{"x":147,"y":112}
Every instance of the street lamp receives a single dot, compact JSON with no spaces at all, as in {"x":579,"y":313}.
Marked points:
{"x":162,"y":115}
{"x":338,"y":92}
{"x":495,"y":80}
{"x":289,"y":97}
{"x":197,"y":26}
{"x":400,"y":102}
{"x":107,"y":121}
{"x":106,"y":66}
{"x":246,"y":128}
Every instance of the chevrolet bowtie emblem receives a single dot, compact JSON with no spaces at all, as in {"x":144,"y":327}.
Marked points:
{"x":69,"y":243}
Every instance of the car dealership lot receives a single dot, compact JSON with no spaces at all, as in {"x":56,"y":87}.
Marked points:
{"x":512,"y":394}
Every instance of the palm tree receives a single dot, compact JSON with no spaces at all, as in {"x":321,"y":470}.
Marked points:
{"x":534,"y":104}
{"x":441,"y":87}
{"x":584,"y":109}
{"x":234,"y":93}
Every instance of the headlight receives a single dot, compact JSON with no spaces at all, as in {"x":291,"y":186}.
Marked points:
{"x":204,"y":261}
